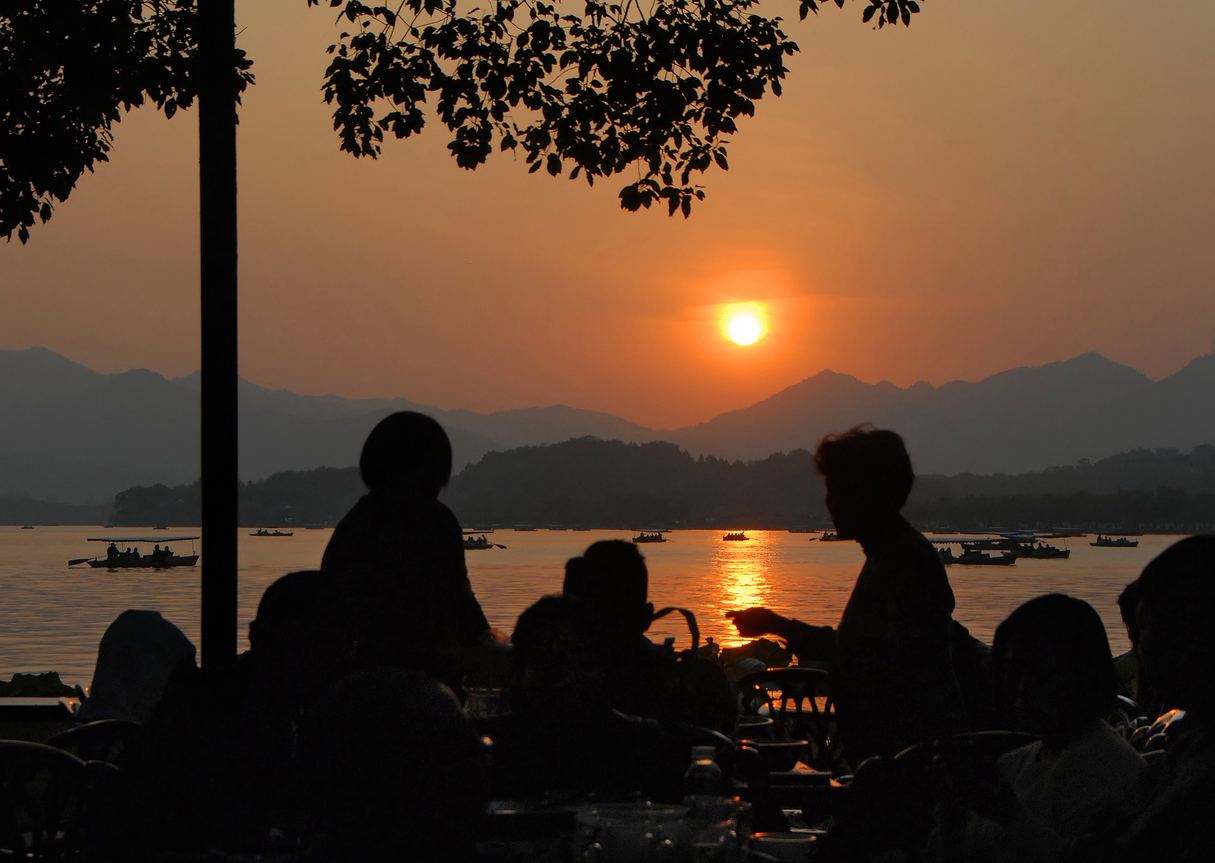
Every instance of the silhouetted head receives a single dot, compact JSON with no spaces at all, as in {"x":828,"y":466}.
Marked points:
{"x":1128,"y":609}
{"x":868,"y":476}
{"x":1052,"y":665}
{"x":406,"y":453}
{"x":1177,"y":624}
{"x":297,"y":636}
{"x":137,"y":655}
{"x":559,"y":659}
{"x":611,"y":577}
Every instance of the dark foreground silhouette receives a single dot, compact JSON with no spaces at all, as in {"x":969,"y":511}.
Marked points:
{"x":355,"y":727}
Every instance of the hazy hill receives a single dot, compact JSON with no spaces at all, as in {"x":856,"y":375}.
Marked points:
{"x":1020,"y":420}
{"x":72,"y":434}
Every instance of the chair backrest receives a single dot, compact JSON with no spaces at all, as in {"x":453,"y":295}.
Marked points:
{"x":103,"y":740}
{"x":779,"y":688}
{"x":44,"y":802}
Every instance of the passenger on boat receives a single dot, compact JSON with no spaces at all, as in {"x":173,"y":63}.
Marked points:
{"x":645,"y":679}
{"x":215,"y":767}
{"x":399,"y":555}
{"x":112,"y":552}
{"x":1056,"y":680}
{"x":892,"y":676}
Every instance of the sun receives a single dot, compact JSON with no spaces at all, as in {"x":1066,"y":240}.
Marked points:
{"x":744,"y":330}
{"x":744,"y":323}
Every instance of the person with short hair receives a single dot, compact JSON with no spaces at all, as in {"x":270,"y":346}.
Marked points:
{"x":399,"y":554}
{"x":891,"y":677}
{"x":645,"y":679}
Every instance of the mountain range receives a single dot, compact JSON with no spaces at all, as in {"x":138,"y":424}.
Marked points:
{"x":72,"y":434}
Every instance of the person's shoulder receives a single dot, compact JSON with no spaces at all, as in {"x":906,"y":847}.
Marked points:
{"x":1011,"y":763}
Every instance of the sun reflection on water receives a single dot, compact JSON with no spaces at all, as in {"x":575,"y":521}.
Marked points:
{"x":743,"y":574}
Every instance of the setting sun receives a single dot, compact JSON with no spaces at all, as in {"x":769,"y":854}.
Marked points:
{"x":744,"y":330}
{"x":744,"y":323}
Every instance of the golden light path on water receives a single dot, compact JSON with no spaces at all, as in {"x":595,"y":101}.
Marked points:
{"x":52,"y":618}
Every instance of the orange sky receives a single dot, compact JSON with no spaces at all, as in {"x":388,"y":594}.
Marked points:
{"x":1001,"y":184}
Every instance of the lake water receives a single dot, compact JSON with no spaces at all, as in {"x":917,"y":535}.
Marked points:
{"x":52,"y":617}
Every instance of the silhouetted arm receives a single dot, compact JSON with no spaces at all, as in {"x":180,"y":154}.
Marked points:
{"x":804,"y":640}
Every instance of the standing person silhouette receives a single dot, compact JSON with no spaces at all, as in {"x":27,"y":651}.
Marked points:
{"x":399,"y":554}
{"x":891,"y":675}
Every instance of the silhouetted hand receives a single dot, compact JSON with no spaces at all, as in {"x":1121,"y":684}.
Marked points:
{"x":754,"y":622}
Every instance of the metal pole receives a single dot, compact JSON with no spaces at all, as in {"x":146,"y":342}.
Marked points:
{"x":217,"y":94}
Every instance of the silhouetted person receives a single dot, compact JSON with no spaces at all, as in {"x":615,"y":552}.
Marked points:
{"x":112,"y":552}
{"x":399,"y":556}
{"x":392,"y":769}
{"x":645,"y":679}
{"x":891,"y":675}
{"x":1131,"y":680}
{"x":215,"y":767}
{"x":563,"y":736}
{"x":1172,"y":819}
{"x":137,"y":655}
{"x":1056,"y":680}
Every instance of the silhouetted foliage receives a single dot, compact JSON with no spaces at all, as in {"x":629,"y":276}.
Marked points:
{"x":590,"y":91}
{"x":1165,"y":510}
{"x":1138,"y":469}
{"x":68,"y":71}
{"x":598,"y":483}
{"x":288,"y":499}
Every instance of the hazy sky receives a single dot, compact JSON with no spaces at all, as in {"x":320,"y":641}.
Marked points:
{"x":1003,"y":183}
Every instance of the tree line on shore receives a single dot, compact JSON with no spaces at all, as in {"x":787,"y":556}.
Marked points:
{"x":603,"y":483}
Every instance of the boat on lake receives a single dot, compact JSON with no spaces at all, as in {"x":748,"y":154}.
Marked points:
{"x":830,"y":536}
{"x":27,"y":527}
{"x":475,"y":543}
{"x":735,"y":537}
{"x":650,"y":536}
{"x":1042,"y":551}
{"x":974,"y":557}
{"x":1110,"y":542}
{"x":261,"y":531}
{"x":130,"y":557}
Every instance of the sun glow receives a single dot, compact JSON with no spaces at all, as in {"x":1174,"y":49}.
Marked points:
{"x":744,"y":330}
{"x":744,"y":323}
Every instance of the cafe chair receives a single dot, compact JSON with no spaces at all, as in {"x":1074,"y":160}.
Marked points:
{"x":102,"y":740}
{"x":47,"y":798}
{"x":776,"y":689}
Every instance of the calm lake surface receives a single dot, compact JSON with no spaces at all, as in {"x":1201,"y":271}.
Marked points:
{"x":52,"y":617}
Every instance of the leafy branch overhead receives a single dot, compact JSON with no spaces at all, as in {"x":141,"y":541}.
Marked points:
{"x":68,"y":69}
{"x":656,"y":85}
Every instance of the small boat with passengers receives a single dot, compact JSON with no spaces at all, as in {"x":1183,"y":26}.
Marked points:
{"x":130,"y":558}
{"x":1110,"y":542}
{"x":479,"y":543}
{"x":974,"y":557}
{"x":735,"y":537}
{"x":261,"y":531}
{"x":650,"y":536}
{"x":830,"y":536}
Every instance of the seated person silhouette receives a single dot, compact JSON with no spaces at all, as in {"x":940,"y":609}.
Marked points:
{"x":1055,"y":679}
{"x":391,"y":769}
{"x":138,"y":654}
{"x":399,"y":556}
{"x":891,"y":675}
{"x":645,"y":679}
{"x":1170,"y":818}
{"x":214,"y":768}
{"x":563,"y":738}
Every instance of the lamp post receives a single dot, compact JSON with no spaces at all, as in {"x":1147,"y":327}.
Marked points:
{"x":217,"y":95}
